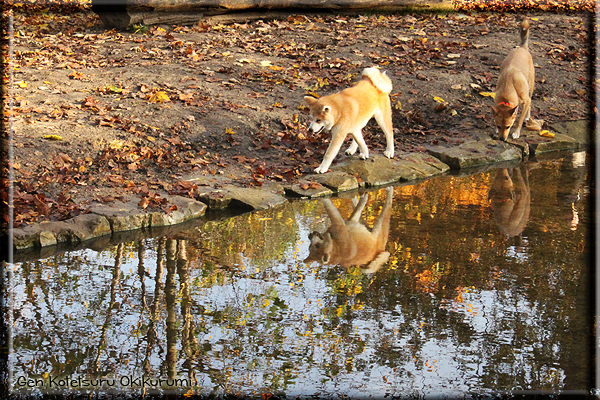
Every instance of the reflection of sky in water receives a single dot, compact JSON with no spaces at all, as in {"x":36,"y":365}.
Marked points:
{"x":519,"y":253}
{"x":414,"y":346}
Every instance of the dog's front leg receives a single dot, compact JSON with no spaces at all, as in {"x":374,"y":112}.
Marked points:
{"x":352,"y":149}
{"x":337,"y":140}
{"x":524,"y":113}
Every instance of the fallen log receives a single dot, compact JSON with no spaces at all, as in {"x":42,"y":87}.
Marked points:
{"x":126,"y":13}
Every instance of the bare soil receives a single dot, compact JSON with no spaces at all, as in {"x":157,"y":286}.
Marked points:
{"x":101,"y":114}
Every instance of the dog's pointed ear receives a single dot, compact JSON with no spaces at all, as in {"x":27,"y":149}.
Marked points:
{"x":494,"y":110}
{"x":512,"y":111}
{"x":326,"y":109}
{"x":309,"y":100}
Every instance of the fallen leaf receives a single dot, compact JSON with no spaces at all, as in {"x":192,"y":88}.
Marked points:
{"x":52,"y":137}
{"x":488,"y":94}
{"x":144,"y":203}
{"x":114,"y":89}
{"x":547,"y":134}
{"x":158,"y":97}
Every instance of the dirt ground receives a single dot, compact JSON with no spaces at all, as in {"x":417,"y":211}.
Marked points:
{"x":99,"y":114}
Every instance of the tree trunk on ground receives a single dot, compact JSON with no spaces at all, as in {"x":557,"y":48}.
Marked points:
{"x":182,"y":12}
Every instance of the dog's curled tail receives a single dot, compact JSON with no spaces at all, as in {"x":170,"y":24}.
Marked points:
{"x":378,"y":79}
{"x":525,"y":34}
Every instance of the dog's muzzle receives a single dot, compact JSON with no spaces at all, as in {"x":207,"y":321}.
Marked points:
{"x":316,"y":129}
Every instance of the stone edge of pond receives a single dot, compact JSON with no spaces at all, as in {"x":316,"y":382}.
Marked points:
{"x":349,"y":174}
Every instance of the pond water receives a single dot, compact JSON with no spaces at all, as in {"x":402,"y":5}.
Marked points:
{"x":475,"y":284}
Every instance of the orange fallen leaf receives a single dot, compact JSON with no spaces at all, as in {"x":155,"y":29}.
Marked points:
{"x":547,"y":134}
{"x":158,"y":97}
{"x":144,"y":203}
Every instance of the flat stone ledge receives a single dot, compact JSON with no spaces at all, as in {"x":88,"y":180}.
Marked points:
{"x":187,"y":209}
{"x":474,"y":153}
{"x":522,"y":145}
{"x":337,"y":181}
{"x":128,"y":216}
{"x":74,"y":231}
{"x":244,"y":198}
{"x":307,"y":189}
{"x":379,"y":170}
{"x":103,"y":220}
{"x":580,"y":130}
{"x":539,"y":144}
{"x":420,"y":166}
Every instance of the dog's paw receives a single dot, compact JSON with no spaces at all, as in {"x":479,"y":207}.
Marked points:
{"x":350,"y":152}
{"x":389,"y":153}
{"x":363,"y":156}
{"x":320,"y":170}
{"x":516,"y":134}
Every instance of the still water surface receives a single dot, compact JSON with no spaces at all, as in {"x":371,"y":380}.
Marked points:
{"x":466,"y":284}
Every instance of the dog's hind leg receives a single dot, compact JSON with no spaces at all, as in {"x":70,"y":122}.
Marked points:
{"x":359,"y":207}
{"x":384,"y":120}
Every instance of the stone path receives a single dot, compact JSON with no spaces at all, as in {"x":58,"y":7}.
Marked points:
{"x":349,"y":174}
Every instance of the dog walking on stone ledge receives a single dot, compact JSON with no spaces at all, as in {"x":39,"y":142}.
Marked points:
{"x":349,"y":111}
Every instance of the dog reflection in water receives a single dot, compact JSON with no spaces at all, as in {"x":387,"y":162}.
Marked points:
{"x":349,"y":243}
{"x":510,"y":198}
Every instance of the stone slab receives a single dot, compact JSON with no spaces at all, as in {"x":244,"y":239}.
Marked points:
{"x":244,"y":198}
{"x":539,"y":144}
{"x":522,"y":145}
{"x":123,"y":216}
{"x":580,"y":130}
{"x":474,"y":153}
{"x":187,"y":209}
{"x":307,"y":189}
{"x":419,"y":165}
{"x":76,"y":230}
{"x":375,"y":171}
{"x":337,"y":181}
{"x":127,"y":215}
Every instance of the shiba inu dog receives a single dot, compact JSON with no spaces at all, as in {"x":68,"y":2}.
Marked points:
{"x":349,"y":243}
{"x":515,"y":87}
{"x":510,"y":200}
{"x":349,"y":111}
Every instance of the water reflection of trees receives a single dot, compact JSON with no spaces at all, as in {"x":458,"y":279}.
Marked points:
{"x":233,"y":307}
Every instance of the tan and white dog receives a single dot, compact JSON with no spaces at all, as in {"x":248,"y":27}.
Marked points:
{"x":349,"y":111}
{"x":515,"y":87}
{"x":511,"y":200}
{"x":349,"y":243}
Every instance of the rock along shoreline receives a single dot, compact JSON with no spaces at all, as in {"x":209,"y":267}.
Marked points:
{"x":106,"y":224}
